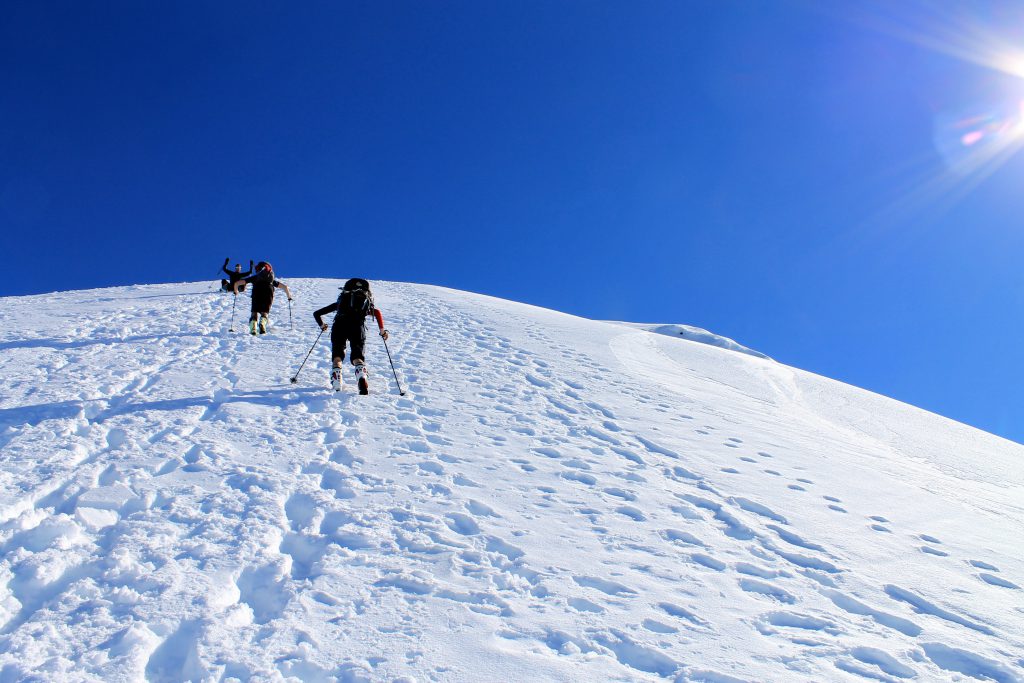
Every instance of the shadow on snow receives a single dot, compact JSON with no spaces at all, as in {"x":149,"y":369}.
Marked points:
{"x":64,"y":410}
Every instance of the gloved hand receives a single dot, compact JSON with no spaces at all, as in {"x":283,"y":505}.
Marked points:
{"x":384,"y":333}
{"x":226,"y":259}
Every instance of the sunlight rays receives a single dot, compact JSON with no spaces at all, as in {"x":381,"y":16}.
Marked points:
{"x":975,"y":138}
{"x":952,"y":29}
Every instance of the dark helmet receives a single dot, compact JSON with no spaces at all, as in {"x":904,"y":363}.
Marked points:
{"x":263,"y":265}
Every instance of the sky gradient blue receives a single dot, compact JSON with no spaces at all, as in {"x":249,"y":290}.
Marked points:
{"x":751,"y":167}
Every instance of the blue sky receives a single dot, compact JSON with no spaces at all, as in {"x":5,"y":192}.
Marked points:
{"x":788,"y":177}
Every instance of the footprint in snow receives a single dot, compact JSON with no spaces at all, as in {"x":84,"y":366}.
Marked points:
{"x":502,"y":547}
{"x":336,"y":481}
{"x":463,"y":480}
{"x":580,"y":477}
{"x":760,"y":572}
{"x":983,"y":565}
{"x":263,"y":590}
{"x":431,"y":467}
{"x":767,"y":589}
{"x":604,"y":585}
{"x":793,"y":620}
{"x":620,"y":493}
{"x":343,"y":456}
{"x":674,"y":535}
{"x":997,"y":581}
{"x":584,"y":605}
{"x":168,"y":467}
{"x":480,"y":510}
{"x":708,"y":561}
{"x":301,"y":510}
{"x":658,"y":627}
{"x":681,"y":613}
{"x":462,"y":524}
{"x":631,"y":512}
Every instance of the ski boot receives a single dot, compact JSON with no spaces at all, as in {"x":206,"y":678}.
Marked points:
{"x":264,"y":321}
{"x":364,"y":386}
{"x":336,"y":379}
{"x":252,"y":327}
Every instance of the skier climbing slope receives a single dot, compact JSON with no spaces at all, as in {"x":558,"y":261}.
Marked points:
{"x":263,"y":285}
{"x":351,"y":308}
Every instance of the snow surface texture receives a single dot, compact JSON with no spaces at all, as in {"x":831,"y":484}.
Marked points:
{"x":555,"y":499}
{"x":697,"y":334}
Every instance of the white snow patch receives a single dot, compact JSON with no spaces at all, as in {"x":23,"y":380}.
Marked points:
{"x":553,"y":499}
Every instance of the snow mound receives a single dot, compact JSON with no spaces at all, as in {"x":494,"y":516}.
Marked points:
{"x":695,"y":334}
{"x":554,"y":498}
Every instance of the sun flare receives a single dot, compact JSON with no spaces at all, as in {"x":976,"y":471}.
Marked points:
{"x":977,"y":127}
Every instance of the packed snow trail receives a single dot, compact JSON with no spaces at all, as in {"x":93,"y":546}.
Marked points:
{"x":554,"y":499}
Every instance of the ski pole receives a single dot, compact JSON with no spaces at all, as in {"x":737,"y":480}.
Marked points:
{"x":233,"y":300}
{"x":291,"y":325}
{"x":295,"y":379}
{"x":401,"y":392}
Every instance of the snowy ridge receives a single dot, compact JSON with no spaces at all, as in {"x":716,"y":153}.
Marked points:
{"x":554,"y":499}
{"x":695,"y":334}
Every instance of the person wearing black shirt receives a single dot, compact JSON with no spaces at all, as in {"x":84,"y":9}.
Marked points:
{"x":234,"y":275}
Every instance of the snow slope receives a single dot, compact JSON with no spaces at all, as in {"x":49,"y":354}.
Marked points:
{"x":697,"y":334}
{"x":555,"y":499}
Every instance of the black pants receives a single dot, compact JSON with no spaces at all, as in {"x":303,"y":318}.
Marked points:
{"x":262,"y":300}
{"x":348,"y":331}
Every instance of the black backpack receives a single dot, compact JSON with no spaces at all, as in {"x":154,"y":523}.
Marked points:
{"x":356,"y":299}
